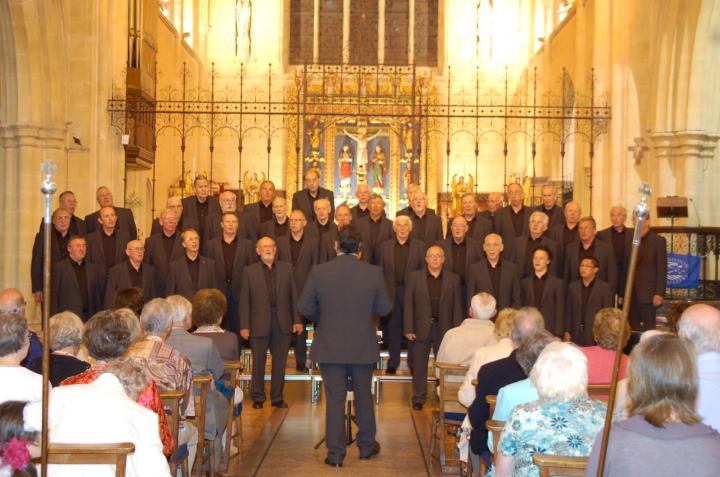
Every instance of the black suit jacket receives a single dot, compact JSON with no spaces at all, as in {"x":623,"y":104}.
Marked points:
{"x":578,"y":323}
{"x":119,"y":278}
{"x":473,"y":253}
{"x":301,"y":200}
{"x":417,"y":311}
{"x":357,"y":213}
{"x":552,"y":302}
{"x":433,"y":227}
{"x":65,"y":291}
{"x":478,"y":280}
{"x":184,"y":224}
{"x":518,"y":255}
{"x":245,"y":255}
{"x":252,"y":215}
{"x":307,"y":258}
{"x":180,"y":283}
{"x":38,"y":253}
{"x":326,"y":241}
{"x":408,"y":209}
{"x":341,"y":297}
{"x":480,"y":226}
{"x":190,"y":207}
{"x":125,"y":221}
{"x":605,"y":255}
{"x":555,"y":215}
{"x":267,"y":229}
{"x":623,"y":262}
{"x":493,"y":218}
{"x":370,"y":247}
{"x":556,"y":233}
{"x":416,"y":261}
{"x":651,"y":270}
{"x":504,"y":224}
{"x":255,"y":313}
{"x":77,"y":225}
{"x":156,"y":258}
{"x":95,"y":252}
{"x":490,"y":379}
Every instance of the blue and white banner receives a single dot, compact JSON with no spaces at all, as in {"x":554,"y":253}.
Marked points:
{"x":683,"y":271}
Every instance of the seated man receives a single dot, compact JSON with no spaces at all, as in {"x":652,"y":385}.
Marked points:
{"x":204,"y":358}
{"x":18,"y":383}
{"x":459,"y":344}
{"x":106,"y":411}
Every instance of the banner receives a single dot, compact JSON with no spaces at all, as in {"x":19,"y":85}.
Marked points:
{"x":683,"y":271}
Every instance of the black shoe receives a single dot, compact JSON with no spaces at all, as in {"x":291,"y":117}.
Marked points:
{"x":391,"y":370}
{"x":257,"y":405}
{"x":337,"y":465}
{"x":280,"y":404}
{"x":302,"y":369}
{"x":417,"y":406}
{"x":375,"y":451}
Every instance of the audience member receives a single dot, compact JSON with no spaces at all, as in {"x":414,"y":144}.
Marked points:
{"x":18,"y":383}
{"x":66,"y":332}
{"x":129,"y":298}
{"x":674,"y":312}
{"x":560,"y":376}
{"x":664,"y":435}
{"x":208,"y":308}
{"x":459,"y":344}
{"x":12,"y":301}
{"x":19,"y":441}
{"x":601,"y":357}
{"x":132,"y":321}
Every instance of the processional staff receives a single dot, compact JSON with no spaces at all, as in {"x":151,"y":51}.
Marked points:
{"x":641,"y":211}
{"x":48,"y":188}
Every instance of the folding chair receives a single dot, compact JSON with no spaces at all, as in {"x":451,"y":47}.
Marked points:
{"x":450,"y":413}
{"x":201,"y":385}
{"x":233,"y":433}
{"x":171,"y":400}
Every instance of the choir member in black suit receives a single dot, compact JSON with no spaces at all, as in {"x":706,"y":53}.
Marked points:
{"x":620,"y":237}
{"x":522,"y":247}
{"x":301,"y":251}
{"x":375,"y":229}
{"x":409,"y":192}
{"x":426,"y":226}
{"x":460,"y":251}
{"x":201,"y":205}
{"x":106,"y":245}
{"x":268,"y":318}
{"x":398,"y":257}
{"x":545,"y":291}
{"x":59,"y":236}
{"x":305,"y":199}
{"x":77,"y":284}
{"x":260,"y":212}
{"x":512,"y":220}
{"x":494,"y":206}
{"x":278,"y":226}
{"x":324,"y":229}
{"x":231,"y":253}
{"x":162,"y":248}
{"x":432,"y":307}
{"x":125,"y":219}
{"x":131,"y":273}
{"x":566,"y":233}
{"x":478,"y":226}
{"x":494,"y":276}
{"x":175,"y":204}
{"x":361,"y":209}
{"x":192,"y":272}
{"x":67,"y":201}
{"x":589,"y":246}
{"x":549,"y":206}
{"x":228,"y":203}
{"x":585,"y":297}
{"x":650,"y":279}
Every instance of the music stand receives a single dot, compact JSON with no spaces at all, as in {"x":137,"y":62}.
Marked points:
{"x":349,"y":416}
{"x":672,"y":207}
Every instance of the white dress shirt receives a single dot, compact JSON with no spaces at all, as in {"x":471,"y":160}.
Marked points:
{"x":708,"y":405}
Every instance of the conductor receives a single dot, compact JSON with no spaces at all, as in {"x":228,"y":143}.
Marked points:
{"x":341,"y":296}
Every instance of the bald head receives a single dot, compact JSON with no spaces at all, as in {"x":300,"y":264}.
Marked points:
{"x":572,"y":212}
{"x":494,"y":201}
{"x":12,"y":301}
{"x":701,"y":324}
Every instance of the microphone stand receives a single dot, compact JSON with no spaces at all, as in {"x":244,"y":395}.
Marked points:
{"x":641,"y":210}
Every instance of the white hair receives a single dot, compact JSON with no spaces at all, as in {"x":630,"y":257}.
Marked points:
{"x":181,"y":309}
{"x":543,"y":216}
{"x":701,"y":325}
{"x":155,"y":316}
{"x":561,"y":372}
{"x":66,"y":330}
{"x":402,"y":218}
{"x":482,"y":306}
{"x":321,"y":201}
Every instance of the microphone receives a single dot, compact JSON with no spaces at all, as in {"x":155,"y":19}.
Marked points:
{"x":696,"y":211}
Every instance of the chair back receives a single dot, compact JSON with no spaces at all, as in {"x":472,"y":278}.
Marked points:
{"x":171,"y":403}
{"x":495,"y":427}
{"x":449,"y":388}
{"x":112,"y":454}
{"x":231,"y":379}
{"x":601,"y":392}
{"x":560,"y":465}
{"x":490,"y":399}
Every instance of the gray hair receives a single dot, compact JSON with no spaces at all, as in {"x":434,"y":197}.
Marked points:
{"x":156,"y":316}
{"x":132,"y":322}
{"x":530,"y":348}
{"x":701,"y":324}
{"x":561,"y":372}
{"x":66,"y":331}
{"x":181,"y":309}
{"x":528,"y":320}
{"x":543,"y":216}
{"x":482,"y":306}
{"x":13,"y":332}
{"x":132,"y":374}
{"x":402,"y":218}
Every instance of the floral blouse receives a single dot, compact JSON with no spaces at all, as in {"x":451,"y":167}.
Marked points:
{"x":565,"y":428}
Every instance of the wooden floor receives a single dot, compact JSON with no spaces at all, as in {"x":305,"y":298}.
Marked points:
{"x":280,"y":442}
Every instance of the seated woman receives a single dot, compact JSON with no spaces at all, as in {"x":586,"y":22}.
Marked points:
{"x":208,"y":307}
{"x":664,"y":436}
{"x":66,"y":331}
{"x":562,"y":422}
{"x":107,"y":338}
{"x":601,"y":358}
{"x":106,"y":411}
{"x":132,"y":321}
{"x":16,"y":383}
{"x":18,"y":442}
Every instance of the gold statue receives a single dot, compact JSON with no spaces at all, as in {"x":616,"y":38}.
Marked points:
{"x":314,"y":137}
{"x":251,"y":186}
{"x":458,"y":188}
{"x":408,"y":136}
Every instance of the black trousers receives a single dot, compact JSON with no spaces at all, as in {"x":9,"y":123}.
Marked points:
{"x":642,"y":316}
{"x":278,"y":343}
{"x":335,"y":379}
{"x":394,"y":335}
{"x":421,"y":355}
{"x":300,"y":346}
